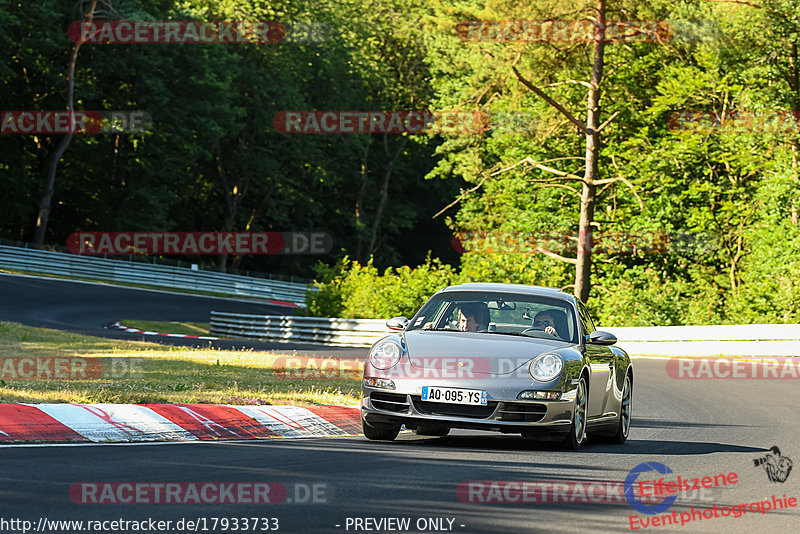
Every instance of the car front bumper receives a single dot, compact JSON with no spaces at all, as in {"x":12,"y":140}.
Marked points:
{"x":502,"y":413}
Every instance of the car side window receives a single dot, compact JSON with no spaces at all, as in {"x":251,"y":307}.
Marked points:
{"x":586,"y":321}
{"x":589,"y":318}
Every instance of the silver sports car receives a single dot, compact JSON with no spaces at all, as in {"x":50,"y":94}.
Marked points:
{"x":504,"y":357}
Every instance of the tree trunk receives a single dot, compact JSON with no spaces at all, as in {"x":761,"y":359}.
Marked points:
{"x":227,"y":226}
{"x":583,"y":268}
{"x":794,"y":83}
{"x":55,"y":158}
{"x":376,"y":222}
{"x":232,"y":197}
{"x":588,"y":194}
{"x":360,"y":208}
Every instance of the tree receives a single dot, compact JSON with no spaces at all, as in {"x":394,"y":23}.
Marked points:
{"x":591,"y":130}
{"x":560,"y":68}
{"x":58,"y":153}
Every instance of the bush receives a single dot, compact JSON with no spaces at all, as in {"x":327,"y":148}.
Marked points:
{"x":349,"y":289}
{"x":646,"y":294}
{"x":528,"y":269}
{"x":324,"y":298}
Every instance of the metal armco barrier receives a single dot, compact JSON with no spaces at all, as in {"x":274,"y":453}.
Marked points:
{"x":43,"y":261}
{"x":711,"y":340}
{"x":739,"y":340}
{"x":284,"y":328}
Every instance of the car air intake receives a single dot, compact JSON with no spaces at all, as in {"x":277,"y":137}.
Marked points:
{"x":391,"y":402}
{"x":517,"y":411}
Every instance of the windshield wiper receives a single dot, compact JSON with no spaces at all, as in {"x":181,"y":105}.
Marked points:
{"x":506,"y":333}
{"x":480,"y":332}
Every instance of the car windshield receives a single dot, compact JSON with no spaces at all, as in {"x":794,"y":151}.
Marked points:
{"x":498,"y":313}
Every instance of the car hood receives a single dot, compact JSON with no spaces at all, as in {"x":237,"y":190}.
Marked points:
{"x":484,"y":353}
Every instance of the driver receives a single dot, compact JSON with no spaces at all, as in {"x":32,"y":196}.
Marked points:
{"x":544,"y":321}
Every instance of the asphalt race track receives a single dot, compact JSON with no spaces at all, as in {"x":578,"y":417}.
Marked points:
{"x":86,"y":308}
{"x":696,"y":428}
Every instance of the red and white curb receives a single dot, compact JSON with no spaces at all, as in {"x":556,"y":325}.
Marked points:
{"x":117,"y":326}
{"x":108,"y":423}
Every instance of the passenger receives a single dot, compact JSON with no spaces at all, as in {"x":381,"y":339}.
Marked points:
{"x":473,"y":316}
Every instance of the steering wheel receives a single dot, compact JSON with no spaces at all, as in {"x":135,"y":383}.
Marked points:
{"x":531,"y":329}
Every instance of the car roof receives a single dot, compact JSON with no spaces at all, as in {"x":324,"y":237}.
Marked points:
{"x":511,"y":288}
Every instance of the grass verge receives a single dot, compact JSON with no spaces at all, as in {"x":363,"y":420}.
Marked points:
{"x":117,"y":371}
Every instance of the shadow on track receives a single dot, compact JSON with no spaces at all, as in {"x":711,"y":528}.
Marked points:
{"x":497,"y":443}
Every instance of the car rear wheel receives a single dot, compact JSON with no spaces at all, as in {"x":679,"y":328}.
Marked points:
{"x":620,"y":434}
{"x":577,"y":430}
{"x":380,"y":431}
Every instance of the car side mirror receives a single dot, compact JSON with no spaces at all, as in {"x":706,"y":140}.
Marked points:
{"x":598,"y":337}
{"x":397,"y":323}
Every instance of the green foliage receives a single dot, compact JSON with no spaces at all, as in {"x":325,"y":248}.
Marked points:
{"x":514,"y":268}
{"x":213,"y":160}
{"x":324,"y":297}
{"x":770,"y":274}
{"x":358,"y":291}
{"x":643,"y":296}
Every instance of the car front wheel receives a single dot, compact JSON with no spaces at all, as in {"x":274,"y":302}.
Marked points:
{"x":380,"y":431}
{"x":624,"y":425}
{"x":577,"y":430}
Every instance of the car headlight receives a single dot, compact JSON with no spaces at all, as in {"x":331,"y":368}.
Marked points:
{"x":545,"y":367}
{"x":385,"y":355}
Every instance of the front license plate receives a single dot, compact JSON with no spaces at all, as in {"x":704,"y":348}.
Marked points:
{"x":454,"y":395}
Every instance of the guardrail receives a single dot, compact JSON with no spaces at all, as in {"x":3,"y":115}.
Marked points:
{"x":283,"y":328}
{"x":93,"y":268}
{"x":744,"y":340}
{"x":710,"y":340}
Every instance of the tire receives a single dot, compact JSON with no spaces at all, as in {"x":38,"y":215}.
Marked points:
{"x":431,"y":430}
{"x":577,"y":430}
{"x":379,"y":431}
{"x":620,"y":434}
{"x":624,"y":425}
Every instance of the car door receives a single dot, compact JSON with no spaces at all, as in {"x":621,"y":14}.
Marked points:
{"x":600,"y":359}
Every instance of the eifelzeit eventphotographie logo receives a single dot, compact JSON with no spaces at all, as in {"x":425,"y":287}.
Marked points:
{"x":777,"y":467}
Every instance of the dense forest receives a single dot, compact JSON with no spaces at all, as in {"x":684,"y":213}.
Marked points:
{"x":650,"y":166}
